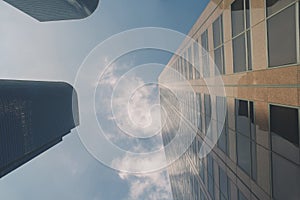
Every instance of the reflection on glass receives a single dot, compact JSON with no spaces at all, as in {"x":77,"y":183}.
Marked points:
{"x":239,"y":54}
{"x":205,"y":54}
{"x":282,"y":38}
{"x":224,"y":186}
{"x":274,"y":6}
{"x":257,"y":155}
{"x":196,"y":60}
{"x":237,"y":17}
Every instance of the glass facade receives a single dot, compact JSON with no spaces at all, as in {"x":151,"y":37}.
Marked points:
{"x":34,"y":116}
{"x":44,"y":10}
{"x":257,"y":154}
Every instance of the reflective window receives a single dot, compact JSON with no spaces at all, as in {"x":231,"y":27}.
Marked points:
{"x":199,"y":110}
{"x":244,"y":153}
{"x":282,"y":45}
{"x":241,"y":196}
{"x":274,"y":6}
{"x":241,"y":35}
{"x":218,"y":45}
{"x":207,"y":109}
{"x":242,"y":120}
{"x":189,"y":61}
{"x":202,"y":170}
{"x":237,"y":17}
{"x":284,"y":122}
{"x":196,"y":60}
{"x":210,"y":173}
{"x":218,"y":31}
{"x":205,"y":54}
{"x":285,"y":178}
{"x":246,"y":137}
{"x":284,"y":127}
{"x":219,"y":61}
{"x":222,"y":125}
{"x":247,"y":3}
{"x":224,"y":185}
{"x":239,"y":54}
{"x":186,"y":67}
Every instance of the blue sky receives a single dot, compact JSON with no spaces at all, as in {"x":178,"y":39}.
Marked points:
{"x":55,"y":51}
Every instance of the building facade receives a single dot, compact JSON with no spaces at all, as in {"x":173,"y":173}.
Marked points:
{"x":44,"y":10}
{"x":34,"y":116}
{"x":254,"y":47}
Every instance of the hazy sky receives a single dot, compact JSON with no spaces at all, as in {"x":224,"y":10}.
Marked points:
{"x":55,"y":51}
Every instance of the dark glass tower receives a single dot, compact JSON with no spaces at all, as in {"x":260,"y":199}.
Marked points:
{"x":53,"y":10}
{"x":34,"y":116}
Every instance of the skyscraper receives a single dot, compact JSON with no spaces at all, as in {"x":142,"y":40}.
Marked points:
{"x":45,"y":10}
{"x":253,"y":46}
{"x":34,"y":116}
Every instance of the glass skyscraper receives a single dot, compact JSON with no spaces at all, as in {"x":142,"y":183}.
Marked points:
{"x":53,"y":10}
{"x":34,"y":116}
{"x":253,"y":47}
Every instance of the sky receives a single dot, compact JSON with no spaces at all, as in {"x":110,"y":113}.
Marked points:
{"x":55,"y":51}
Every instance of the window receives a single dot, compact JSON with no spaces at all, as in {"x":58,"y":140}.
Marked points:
{"x":284,"y":127}
{"x":202,"y":170}
{"x":285,"y":178}
{"x":180,"y":67}
{"x":282,"y":42}
{"x":189,"y":62}
{"x":246,"y":137}
{"x":222,"y":126}
{"x":199,"y":110}
{"x":284,"y":123}
{"x":205,"y":54}
{"x":219,"y":45}
{"x":241,"y":35}
{"x":210,"y":173}
{"x":177,"y":69}
{"x":224,"y":185}
{"x":185,"y":66}
{"x":196,"y":60}
{"x":207,"y":109}
{"x":241,"y":196}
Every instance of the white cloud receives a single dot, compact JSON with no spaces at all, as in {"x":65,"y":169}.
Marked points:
{"x":137,"y":112}
{"x":154,"y":186}
{"x":147,"y":186}
{"x":127,"y":100}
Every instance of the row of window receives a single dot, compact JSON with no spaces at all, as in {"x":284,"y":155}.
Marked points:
{"x":284,"y":130}
{"x":224,"y":181}
{"x":284,"y":137}
{"x":282,"y":40}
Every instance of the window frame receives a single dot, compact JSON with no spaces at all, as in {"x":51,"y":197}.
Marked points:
{"x":251,"y":138}
{"x":297,"y":28}
{"x":219,"y":46}
{"x":205,"y":54}
{"x":225,"y":127}
{"x":271,"y":148}
{"x":246,"y":32}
